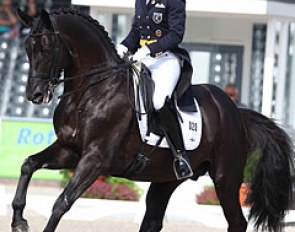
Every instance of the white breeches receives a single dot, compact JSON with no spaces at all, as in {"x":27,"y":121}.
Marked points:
{"x":165,"y":71}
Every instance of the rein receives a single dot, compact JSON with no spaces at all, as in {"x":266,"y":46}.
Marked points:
{"x":128,"y":64}
{"x":103,"y":70}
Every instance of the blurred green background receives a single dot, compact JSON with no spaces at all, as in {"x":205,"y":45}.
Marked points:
{"x":20,"y":139}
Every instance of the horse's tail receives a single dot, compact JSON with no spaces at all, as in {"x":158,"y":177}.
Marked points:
{"x":271,"y":183}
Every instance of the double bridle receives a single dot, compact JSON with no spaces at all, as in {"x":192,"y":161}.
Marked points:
{"x":53,"y":74}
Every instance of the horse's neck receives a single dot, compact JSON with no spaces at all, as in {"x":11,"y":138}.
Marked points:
{"x":86,"y":60}
{"x":90,"y":50}
{"x":88,"y":44}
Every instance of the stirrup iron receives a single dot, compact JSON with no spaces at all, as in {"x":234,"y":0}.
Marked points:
{"x":183,"y":164}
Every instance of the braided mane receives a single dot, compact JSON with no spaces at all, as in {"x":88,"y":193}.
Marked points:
{"x":77,"y":12}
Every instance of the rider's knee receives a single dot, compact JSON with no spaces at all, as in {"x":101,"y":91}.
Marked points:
{"x":159,"y":101}
{"x":158,"y":104}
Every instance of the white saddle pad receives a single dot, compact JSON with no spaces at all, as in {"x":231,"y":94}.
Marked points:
{"x":191,"y":126}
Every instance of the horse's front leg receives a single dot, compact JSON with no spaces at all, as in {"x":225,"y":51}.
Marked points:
{"x":156,"y":203}
{"x":53,"y":157}
{"x":87,"y":171}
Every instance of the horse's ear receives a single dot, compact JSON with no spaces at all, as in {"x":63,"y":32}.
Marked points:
{"x":25,"y":19}
{"x":46,"y":19}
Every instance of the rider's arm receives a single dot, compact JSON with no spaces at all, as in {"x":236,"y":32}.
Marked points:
{"x":132,"y":40}
{"x":176,"y":18}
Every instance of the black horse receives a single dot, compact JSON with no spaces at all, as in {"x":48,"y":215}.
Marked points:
{"x":97,"y":132}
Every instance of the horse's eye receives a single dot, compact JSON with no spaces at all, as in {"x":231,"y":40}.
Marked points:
{"x":33,"y":42}
{"x":30,"y":43}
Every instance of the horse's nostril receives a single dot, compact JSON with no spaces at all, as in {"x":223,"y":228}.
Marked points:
{"x":38,"y":98}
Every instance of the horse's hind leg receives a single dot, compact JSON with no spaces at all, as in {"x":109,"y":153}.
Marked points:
{"x":156,"y":204}
{"x":227,"y":184}
{"x":230,"y":204}
{"x":53,"y":157}
{"x":229,"y":201}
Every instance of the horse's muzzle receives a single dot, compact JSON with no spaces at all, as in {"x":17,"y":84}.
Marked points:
{"x":39,"y":97}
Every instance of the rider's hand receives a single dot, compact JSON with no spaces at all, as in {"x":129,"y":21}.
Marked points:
{"x":121,"y":50}
{"x":141,"y":54}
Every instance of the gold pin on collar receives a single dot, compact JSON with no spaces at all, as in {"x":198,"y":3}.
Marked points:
{"x":158,"y":33}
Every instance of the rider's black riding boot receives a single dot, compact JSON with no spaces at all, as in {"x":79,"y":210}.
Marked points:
{"x":168,"y":120}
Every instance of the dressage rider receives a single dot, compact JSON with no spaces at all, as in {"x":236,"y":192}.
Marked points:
{"x":157,"y":30}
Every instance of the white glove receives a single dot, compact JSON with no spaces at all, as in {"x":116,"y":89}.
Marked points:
{"x":141,"y":54}
{"x":121,"y":50}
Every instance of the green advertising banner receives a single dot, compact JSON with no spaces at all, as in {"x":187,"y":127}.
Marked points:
{"x":20,"y":139}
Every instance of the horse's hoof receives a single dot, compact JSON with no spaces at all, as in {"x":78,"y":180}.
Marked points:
{"x":20,"y":228}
